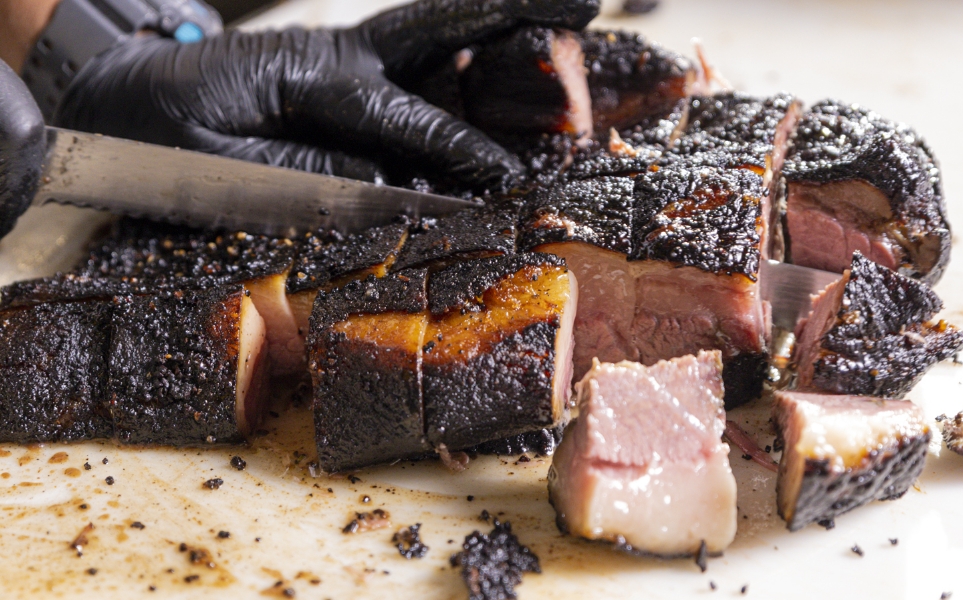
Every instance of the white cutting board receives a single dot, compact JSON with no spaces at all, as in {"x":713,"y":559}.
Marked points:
{"x":900,"y":59}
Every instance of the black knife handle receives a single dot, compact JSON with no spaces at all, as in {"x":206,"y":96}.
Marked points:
{"x":22,"y":148}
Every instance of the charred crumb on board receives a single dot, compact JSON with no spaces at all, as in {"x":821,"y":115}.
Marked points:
{"x":893,"y":541}
{"x":701,"y":558}
{"x":408,"y":542}
{"x":857,"y":550}
{"x":493,"y":564}
{"x":712,"y":585}
{"x":238,"y":463}
{"x":213,"y":484}
{"x":639,"y":7}
{"x":368,"y":521}
{"x":137,"y":525}
{"x":744,"y":589}
{"x":81,"y":540}
{"x":223,"y":535}
{"x":87,"y":466}
{"x":109,"y":480}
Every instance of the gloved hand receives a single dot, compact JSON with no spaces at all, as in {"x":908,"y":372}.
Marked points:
{"x":22,"y":147}
{"x":325,"y":100}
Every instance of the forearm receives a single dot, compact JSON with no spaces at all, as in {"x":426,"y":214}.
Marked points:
{"x":21,"y":22}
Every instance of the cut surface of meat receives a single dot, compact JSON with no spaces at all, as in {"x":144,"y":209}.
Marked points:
{"x":869,"y":334}
{"x":644,"y":465}
{"x":530,"y":82}
{"x":880,"y":183}
{"x":53,"y":372}
{"x":467,"y":234}
{"x":185,"y":368}
{"x":842,"y":452}
{"x":503,"y":366}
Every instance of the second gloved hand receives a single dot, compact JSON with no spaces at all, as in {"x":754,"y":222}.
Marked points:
{"x":326,"y":100}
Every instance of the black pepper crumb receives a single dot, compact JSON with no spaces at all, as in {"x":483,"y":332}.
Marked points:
{"x":182,"y":547}
{"x":408,"y":542}
{"x":471,"y":498}
{"x":213,"y":484}
{"x":354,"y":479}
{"x":109,"y":480}
{"x":702,"y":557}
{"x":365,"y":499}
{"x":330,"y":491}
{"x":152,"y":588}
{"x":137,"y":525}
{"x":223,"y":534}
{"x":857,"y":550}
{"x":768,"y":449}
{"x":893,"y":541}
{"x":746,"y":457}
{"x":493,"y":564}
{"x":946,"y":595}
{"x":827,"y":523}
{"x":191,"y":578}
{"x":524,"y":458}
{"x":91,"y":571}
{"x":288,"y":592}
{"x":777,"y":445}
{"x":712,"y":585}
{"x":639,"y":7}
{"x":84,"y":507}
{"x":257,"y":539}
{"x":940,"y":418}
{"x":238,"y":463}
{"x":105,"y":461}
{"x":744,"y":589}
{"x":485,"y":516}
{"x":87,"y":466}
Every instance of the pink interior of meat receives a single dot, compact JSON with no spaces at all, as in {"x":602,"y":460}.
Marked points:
{"x":569,"y":62}
{"x":810,"y":331}
{"x":285,"y":346}
{"x":252,"y":368}
{"x":828,"y":222}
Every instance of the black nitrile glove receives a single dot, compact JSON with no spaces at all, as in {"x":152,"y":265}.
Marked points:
{"x":326,"y":100}
{"x":22,"y":147}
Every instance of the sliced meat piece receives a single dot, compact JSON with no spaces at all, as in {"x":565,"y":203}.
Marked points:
{"x":858,"y":181}
{"x":365,"y":351}
{"x":149,"y":255}
{"x":644,"y":465}
{"x":476,"y":233}
{"x":632,"y":79}
{"x":187,"y":368}
{"x":530,"y":82}
{"x":841,"y":452}
{"x":869,"y":334}
{"x":497,"y":361}
{"x":53,"y":372}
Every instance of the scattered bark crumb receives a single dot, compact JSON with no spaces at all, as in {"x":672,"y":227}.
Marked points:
{"x":109,"y":480}
{"x":408,"y":542}
{"x":702,"y":557}
{"x":712,"y":585}
{"x":213,"y":484}
{"x":744,"y":589}
{"x":493,"y":564}
{"x":137,"y":525}
{"x":893,"y":541}
{"x":857,"y":550}
{"x":87,"y":466}
{"x":639,"y":7}
{"x":81,"y":540}
{"x":368,"y":521}
{"x":91,"y":571}
{"x":238,"y":463}
{"x":223,"y":534}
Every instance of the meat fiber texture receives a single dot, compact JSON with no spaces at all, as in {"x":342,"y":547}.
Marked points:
{"x":174,"y":368}
{"x":869,"y":334}
{"x":842,"y":452}
{"x":409,"y":363}
{"x":644,"y":466}
{"x":858,"y":181}
{"x":668,"y":263}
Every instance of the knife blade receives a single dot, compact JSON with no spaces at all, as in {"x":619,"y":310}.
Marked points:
{"x":203,"y":190}
{"x":789,"y":289}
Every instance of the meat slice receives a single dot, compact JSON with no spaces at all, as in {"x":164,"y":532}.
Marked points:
{"x":327,"y":260}
{"x":529,"y":82}
{"x":365,"y":352}
{"x":187,"y":368}
{"x":498,"y":349}
{"x":474,"y":233}
{"x":842,"y":452}
{"x":632,"y":79}
{"x":644,"y":465}
{"x":153,"y":256}
{"x":53,"y":372}
{"x":869,"y":334}
{"x":858,"y":181}
{"x":668,"y":264}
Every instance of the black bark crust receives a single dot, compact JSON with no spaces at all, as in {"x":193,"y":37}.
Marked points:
{"x":740,"y":127}
{"x":543,"y":442}
{"x":703,"y":218}
{"x":148,"y":254}
{"x":66,"y":287}
{"x":367,"y":397}
{"x":743,"y":377}
{"x":325,"y":256}
{"x":173,"y":368}
{"x":513,"y":86}
{"x":596,"y":211}
{"x":841,"y":142}
{"x":53,"y":373}
{"x":503,"y":391}
{"x":881,"y":344}
{"x":471,"y":233}
{"x":404,"y":291}
{"x":884,"y":474}
{"x":461,"y":285}
{"x":493,"y":564}
{"x":630,"y":78}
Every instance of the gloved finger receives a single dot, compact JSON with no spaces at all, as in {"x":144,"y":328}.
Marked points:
{"x":281,"y":153}
{"x":22,"y":147}
{"x":378,"y":117}
{"x":420,"y":36}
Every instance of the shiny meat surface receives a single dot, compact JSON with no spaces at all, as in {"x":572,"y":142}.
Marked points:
{"x":644,"y":465}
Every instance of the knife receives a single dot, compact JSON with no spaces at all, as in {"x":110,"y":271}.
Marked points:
{"x":203,"y":190}
{"x":789,"y":289}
